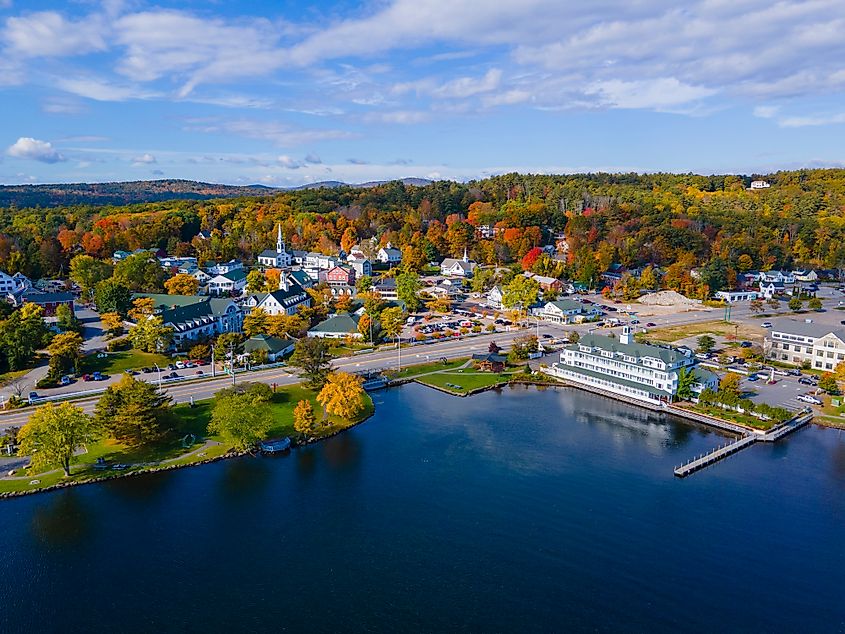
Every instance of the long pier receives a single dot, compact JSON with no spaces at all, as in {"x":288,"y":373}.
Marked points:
{"x":705,"y":460}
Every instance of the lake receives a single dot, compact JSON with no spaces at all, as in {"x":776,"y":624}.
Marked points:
{"x":521,"y":510}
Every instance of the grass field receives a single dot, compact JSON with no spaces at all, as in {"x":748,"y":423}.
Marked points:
{"x":468,"y":381}
{"x":115,"y":362}
{"x":423,"y":368}
{"x":189,"y":420}
{"x":670,"y":334}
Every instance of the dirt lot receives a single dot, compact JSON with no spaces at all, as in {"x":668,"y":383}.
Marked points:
{"x":671,"y":334}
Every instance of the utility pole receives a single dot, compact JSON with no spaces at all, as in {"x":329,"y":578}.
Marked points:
{"x":213,"y":371}
{"x":232,"y":357}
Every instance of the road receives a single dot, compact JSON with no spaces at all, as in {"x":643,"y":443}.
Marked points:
{"x":381,"y":359}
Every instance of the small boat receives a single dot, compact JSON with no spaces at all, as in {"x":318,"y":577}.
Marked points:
{"x":275,"y":446}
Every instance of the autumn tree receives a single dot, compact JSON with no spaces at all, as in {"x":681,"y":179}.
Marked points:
{"x":520,"y":293}
{"x":304,"y":419}
{"x":150,"y":334}
{"x":256,"y":322}
{"x":343,"y":395}
{"x":255,"y":281}
{"x":54,"y":433}
{"x":140,"y":272}
{"x":134,"y":413}
{"x":343,"y":303}
{"x":182,"y":284}
{"x":392,"y":320}
{"x":795,"y":304}
{"x":112,"y":323}
{"x":65,"y":354}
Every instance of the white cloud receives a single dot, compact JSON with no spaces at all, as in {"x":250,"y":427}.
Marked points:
{"x":49,"y":34}
{"x":276,"y":132}
{"x":402,"y":117}
{"x":469,"y":86}
{"x":657,"y":93}
{"x":100,"y":90}
{"x":289,"y":162}
{"x":35,"y":150}
{"x":143,"y":159}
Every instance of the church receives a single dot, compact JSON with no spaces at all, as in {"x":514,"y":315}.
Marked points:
{"x":278,"y":258}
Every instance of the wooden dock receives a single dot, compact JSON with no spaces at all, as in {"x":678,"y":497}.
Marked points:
{"x":705,"y":460}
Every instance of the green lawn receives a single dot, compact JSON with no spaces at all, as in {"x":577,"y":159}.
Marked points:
{"x":190,"y":420}
{"x":734,"y":417}
{"x":116,"y":362}
{"x":422,"y":368}
{"x":468,"y":380}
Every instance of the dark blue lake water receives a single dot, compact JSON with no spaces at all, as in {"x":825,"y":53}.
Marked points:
{"x":525,"y":510}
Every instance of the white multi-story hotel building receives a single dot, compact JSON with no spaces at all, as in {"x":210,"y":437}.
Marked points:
{"x":799,"y":342}
{"x":621,"y":366}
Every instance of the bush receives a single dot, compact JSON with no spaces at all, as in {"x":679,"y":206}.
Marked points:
{"x":116,"y":345}
{"x":47,"y":382}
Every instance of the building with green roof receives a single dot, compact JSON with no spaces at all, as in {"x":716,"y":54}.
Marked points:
{"x":337,"y":327}
{"x":622,"y":366}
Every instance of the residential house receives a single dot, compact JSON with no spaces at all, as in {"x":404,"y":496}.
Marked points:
{"x":231,"y":282}
{"x":760,"y":184}
{"x":388,"y":255}
{"x":779,"y":277}
{"x":768,"y":290}
{"x":337,"y":327}
{"x":360,"y":263}
{"x":339,"y":276}
{"x":566,"y":311}
{"x":494,"y":298}
{"x":386,"y":287}
{"x":8,"y":284}
{"x":639,"y":371}
{"x":546,"y":283}
{"x":490,"y":362}
{"x":807,"y":277}
{"x":285,"y":300}
{"x":225,"y":267}
{"x":48,"y":301}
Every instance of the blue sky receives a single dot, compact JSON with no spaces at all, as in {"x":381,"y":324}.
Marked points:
{"x":283,"y":93}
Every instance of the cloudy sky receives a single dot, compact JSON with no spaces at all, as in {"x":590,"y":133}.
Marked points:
{"x":288,"y":92}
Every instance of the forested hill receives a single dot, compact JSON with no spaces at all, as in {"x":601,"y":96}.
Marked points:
{"x":127,"y":193}
{"x":698,"y":231}
{"x":120,"y":193}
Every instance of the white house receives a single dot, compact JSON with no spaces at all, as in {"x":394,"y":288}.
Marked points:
{"x":228,"y":283}
{"x":8,"y":284}
{"x":778,"y":277}
{"x":225,"y":267}
{"x":494,"y":298}
{"x":453,"y":267}
{"x":760,"y":185}
{"x":277,"y":258}
{"x":360,"y":263}
{"x":285,"y":300}
{"x":771,"y":289}
{"x":565,"y":311}
{"x":640,"y":371}
{"x":806,"y":276}
{"x":389,"y":255}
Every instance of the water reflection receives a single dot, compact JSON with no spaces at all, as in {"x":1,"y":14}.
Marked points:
{"x":306,"y":462}
{"x":343,"y":452}
{"x":247,"y":477}
{"x":62,"y":519}
{"x":148,"y":487}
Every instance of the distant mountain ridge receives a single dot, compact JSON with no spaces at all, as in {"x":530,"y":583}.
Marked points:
{"x":128,"y":192}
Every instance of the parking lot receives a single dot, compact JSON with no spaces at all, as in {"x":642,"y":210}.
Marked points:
{"x":783,"y":393}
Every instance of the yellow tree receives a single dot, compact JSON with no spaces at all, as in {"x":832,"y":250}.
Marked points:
{"x":256,"y":322}
{"x":141,"y":307}
{"x":342,"y":395}
{"x":112,"y":322}
{"x":304,"y":420}
{"x":343,"y":303}
{"x":182,"y":284}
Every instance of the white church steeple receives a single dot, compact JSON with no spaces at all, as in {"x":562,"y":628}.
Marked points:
{"x":280,"y":243}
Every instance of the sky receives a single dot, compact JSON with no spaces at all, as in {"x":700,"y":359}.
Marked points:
{"x":289,"y":92}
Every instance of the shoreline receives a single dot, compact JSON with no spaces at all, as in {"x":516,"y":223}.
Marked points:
{"x":689,"y":417}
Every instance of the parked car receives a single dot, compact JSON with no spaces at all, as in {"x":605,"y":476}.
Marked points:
{"x":66,"y":380}
{"x":768,"y":324}
{"x":793,"y":372}
{"x":650,"y":324}
{"x":130,"y":371}
{"x":99,"y":376}
{"x":199,"y":372}
{"x":809,"y":398}
{"x":171,"y":366}
{"x":806,"y":381}
{"x":86,"y":377}
{"x":745,"y":344}
{"x":146,"y":370}
{"x":753,"y":377}
{"x":635,"y":321}
{"x":33,"y":396}
{"x":180,"y":365}
{"x":546,"y":336}
{"x":172,"y":375}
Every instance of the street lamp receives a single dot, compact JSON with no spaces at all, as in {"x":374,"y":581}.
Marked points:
{"x":158,"y":369}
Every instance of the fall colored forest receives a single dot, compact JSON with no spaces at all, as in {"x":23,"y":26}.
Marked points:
{"x":675,"y":222}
